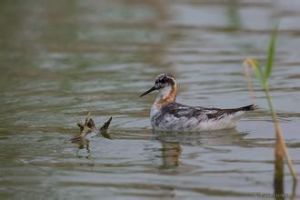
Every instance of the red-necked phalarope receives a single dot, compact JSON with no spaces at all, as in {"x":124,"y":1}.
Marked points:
{"x":167,"y":115}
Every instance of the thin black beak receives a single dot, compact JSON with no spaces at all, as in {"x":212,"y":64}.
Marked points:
{"x":148,"y":91}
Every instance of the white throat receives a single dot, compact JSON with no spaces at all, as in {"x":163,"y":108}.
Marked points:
{"x":163,"y":93}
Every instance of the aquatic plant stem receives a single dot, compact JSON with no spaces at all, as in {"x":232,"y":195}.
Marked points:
{"x":279,"y":135}
{"x":280,"y":148}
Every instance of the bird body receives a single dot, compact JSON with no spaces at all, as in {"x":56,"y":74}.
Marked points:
{"x":178,"y":117}
{"x":168,"y":115}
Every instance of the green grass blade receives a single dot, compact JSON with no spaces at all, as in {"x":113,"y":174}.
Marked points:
{"x":271,"y":53}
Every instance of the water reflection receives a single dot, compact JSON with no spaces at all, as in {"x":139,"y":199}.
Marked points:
{"x":213,"y":138}
{"x":234,"y":18}
{"x":172,"y":143}
{"x":171,"y":152}
{"x":83,"y":143}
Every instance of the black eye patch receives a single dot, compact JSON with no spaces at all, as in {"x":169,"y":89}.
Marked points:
{"x":164,"y":80}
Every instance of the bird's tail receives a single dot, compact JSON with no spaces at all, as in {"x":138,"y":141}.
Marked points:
{"x":237,"y":113}
{"x":247,"y":108}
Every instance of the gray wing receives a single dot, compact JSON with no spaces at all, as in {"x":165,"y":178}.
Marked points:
{"x":180,"y":110}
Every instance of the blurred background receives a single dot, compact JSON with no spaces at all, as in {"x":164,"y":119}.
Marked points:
{"x":61,"y":59}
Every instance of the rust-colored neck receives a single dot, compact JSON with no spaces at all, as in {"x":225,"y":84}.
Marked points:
{"x":166,"y":95}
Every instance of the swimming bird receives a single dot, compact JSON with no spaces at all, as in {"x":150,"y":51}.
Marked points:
{"x":168,"y":115}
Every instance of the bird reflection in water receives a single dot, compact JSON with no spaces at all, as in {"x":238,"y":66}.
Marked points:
{"x":174,"y":142}
{"x":171,"y":152}
{"x":83,"y":143}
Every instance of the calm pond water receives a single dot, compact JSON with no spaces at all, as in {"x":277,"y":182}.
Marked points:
{"x":61,"y":59}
